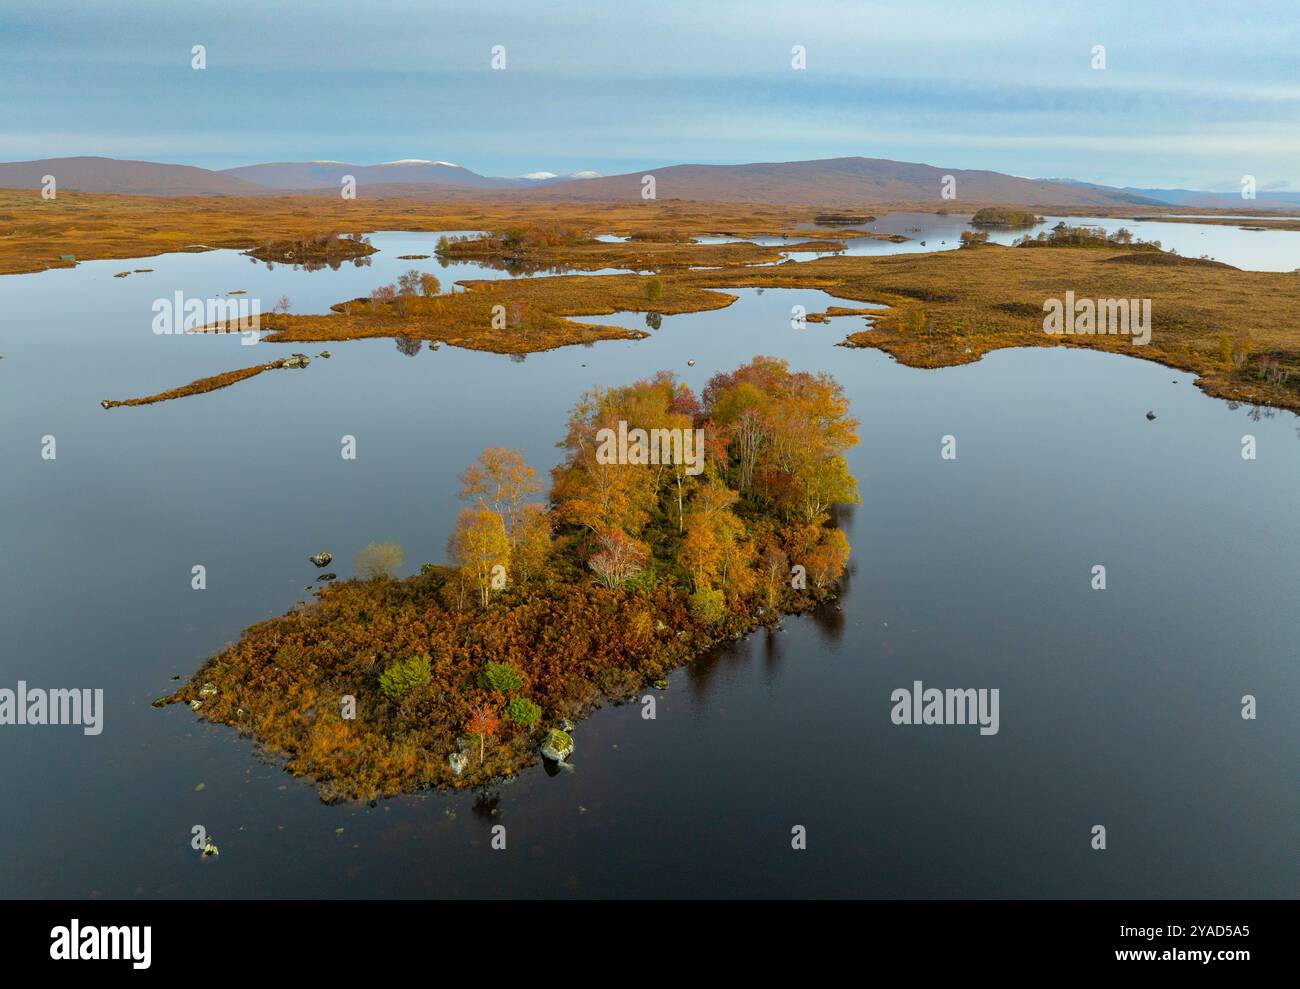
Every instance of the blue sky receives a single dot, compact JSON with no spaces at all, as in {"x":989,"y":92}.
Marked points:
{"x":1193,"y":94}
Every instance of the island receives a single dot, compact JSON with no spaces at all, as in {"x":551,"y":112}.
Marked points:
{"x":994,"y":216}
{"x":674,"y":524}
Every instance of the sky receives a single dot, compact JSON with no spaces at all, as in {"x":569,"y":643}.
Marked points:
{"x":1192,"y":95}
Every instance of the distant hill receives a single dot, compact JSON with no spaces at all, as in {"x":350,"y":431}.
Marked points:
{"x":838,"y":181}
{"x":93,"y":174}
{"x":292,"y":175}
{"x":832,"y":182}
{"x":1199,"y":199}
{"x":1222,"y":200}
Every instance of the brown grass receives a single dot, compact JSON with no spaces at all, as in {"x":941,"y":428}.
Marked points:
{"x":1236,"y":329}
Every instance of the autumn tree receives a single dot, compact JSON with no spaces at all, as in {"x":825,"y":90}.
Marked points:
{"x":532,"y":542}
{"x":827,"y":560}
{"x":620,"y":558}
{"x":478,"y":544}
{"x":776,"y":569}
{"x":599,"y":496}
{"x":379,"y":560}
{"x":501,"y":481}
{"x":484,"y":722}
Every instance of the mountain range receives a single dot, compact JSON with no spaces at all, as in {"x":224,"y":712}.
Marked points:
{"x":852,"y":181}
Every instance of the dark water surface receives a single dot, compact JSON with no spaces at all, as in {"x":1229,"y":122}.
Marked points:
{"x":1117,"y":707}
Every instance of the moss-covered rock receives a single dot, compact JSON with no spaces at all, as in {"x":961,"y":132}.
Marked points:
{"x":558,"y":745}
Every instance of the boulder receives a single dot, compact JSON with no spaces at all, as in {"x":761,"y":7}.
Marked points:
{"x":1151,"y":415}
{"x":208,"y":690}
{"x":322,"y":559}
{"x":296,"y":360}
{"x":458,"y":762}
{"x":558,"y":745}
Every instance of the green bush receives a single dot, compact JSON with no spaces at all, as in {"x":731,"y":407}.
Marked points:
{"x":404,"y":676}
{"x":708,"y":605}
{"x":501,"y":677}
{"x":522,"y":711}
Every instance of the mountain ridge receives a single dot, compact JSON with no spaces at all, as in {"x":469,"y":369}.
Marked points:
{"x":853,"y":181}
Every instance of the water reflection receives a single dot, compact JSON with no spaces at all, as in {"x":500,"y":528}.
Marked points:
{"x":968,"y":573}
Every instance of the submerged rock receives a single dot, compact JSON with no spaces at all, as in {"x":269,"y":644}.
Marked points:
{"x":325,"y":354}
{"x":322,"y":559}
{"x":327,"y":576}
{"x":558,"y":745}
{"x":458,"y":761}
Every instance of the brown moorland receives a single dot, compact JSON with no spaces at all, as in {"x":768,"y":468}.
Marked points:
{"x":1235,"y":329}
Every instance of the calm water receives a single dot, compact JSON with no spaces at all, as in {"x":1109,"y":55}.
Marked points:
{"x":1118,"y":708}
{"x":1273,"y":250}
